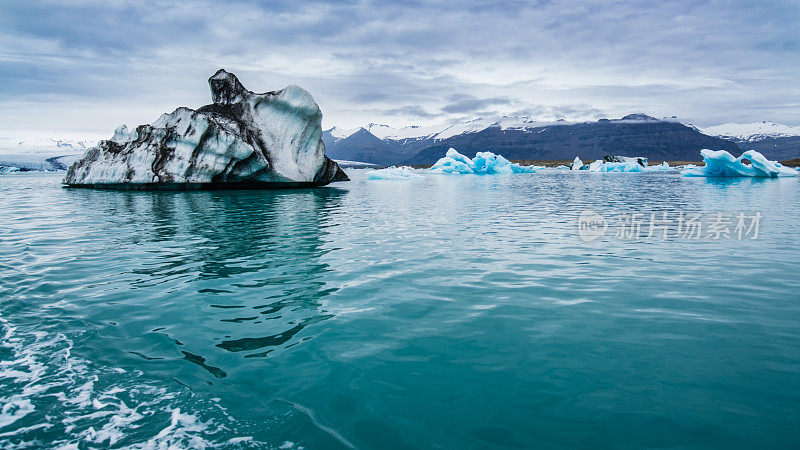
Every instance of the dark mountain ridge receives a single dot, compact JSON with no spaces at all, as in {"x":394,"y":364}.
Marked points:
{"x":362,"y":146}
{"x":633,"y":135}
{"x":658,"y":141}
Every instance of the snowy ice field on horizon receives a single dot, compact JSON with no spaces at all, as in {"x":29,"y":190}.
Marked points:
{"x":33,"y":152}
{"x":52,"y":144}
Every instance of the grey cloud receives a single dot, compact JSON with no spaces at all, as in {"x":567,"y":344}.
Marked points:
{"x":408,"y":111}
{"x":568,"y":111}
{"x":561,"y":112}
{"x":462,"y":103}
{"x":369,"y":96}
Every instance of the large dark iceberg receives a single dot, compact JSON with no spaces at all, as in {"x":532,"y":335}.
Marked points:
{"x":242,"y":140}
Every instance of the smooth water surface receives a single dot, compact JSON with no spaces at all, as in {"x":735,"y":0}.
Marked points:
{"x":446,"y":312}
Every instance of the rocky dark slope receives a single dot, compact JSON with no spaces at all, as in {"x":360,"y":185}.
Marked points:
{"x":656,"y":140}
{"x":362,"y":146}
{"x":775,"y":148}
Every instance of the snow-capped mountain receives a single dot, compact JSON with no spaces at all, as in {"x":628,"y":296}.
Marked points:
{"x":775,"y":140}
{"x":444,"y":130}
{"x":449,"y":129}
{"x":523,"y":138}
{"x":754,"y":131}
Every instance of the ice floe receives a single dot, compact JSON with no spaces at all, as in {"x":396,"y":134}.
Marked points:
{"x":394,"y":173}
{"x":720,"y":163}
{"x":484,"y":163}
{"x":623,"y":164}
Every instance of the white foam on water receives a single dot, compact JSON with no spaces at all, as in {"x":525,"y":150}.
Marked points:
{"x":51,"y":398}
{"x":184,"y":431}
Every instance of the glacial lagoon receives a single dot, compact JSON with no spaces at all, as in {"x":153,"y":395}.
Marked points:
{"x":427,"y":312}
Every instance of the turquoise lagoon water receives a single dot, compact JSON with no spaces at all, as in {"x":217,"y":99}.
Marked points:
{"x":446,"y":312}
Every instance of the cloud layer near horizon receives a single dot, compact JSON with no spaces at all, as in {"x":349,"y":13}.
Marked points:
{"x":86,"y":66}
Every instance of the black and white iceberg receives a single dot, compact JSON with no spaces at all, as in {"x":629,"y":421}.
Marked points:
{"x":242,"y":140}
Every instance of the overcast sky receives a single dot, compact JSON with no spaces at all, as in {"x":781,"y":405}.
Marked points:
{"x":85,"y":66}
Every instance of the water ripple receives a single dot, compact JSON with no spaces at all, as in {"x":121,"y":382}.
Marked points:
{"x":455,"y":312}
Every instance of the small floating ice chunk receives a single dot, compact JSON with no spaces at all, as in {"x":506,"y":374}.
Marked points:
{"x":623,"y":164}
{"x":720,"y":163}
{"x":394,"y":173}
{"x":655,"y":168}
{"x":576,"y":164}
{"x":627,"y":166}
{"x":484,"y":163}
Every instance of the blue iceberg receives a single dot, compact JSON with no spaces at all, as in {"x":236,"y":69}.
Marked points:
{"x":720,"y":163}
{"x":484,"y":163}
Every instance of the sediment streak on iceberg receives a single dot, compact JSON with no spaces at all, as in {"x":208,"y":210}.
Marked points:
{"x":720,"y":163}
{"x":243,"y":139}
{"x":484,"y":163}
